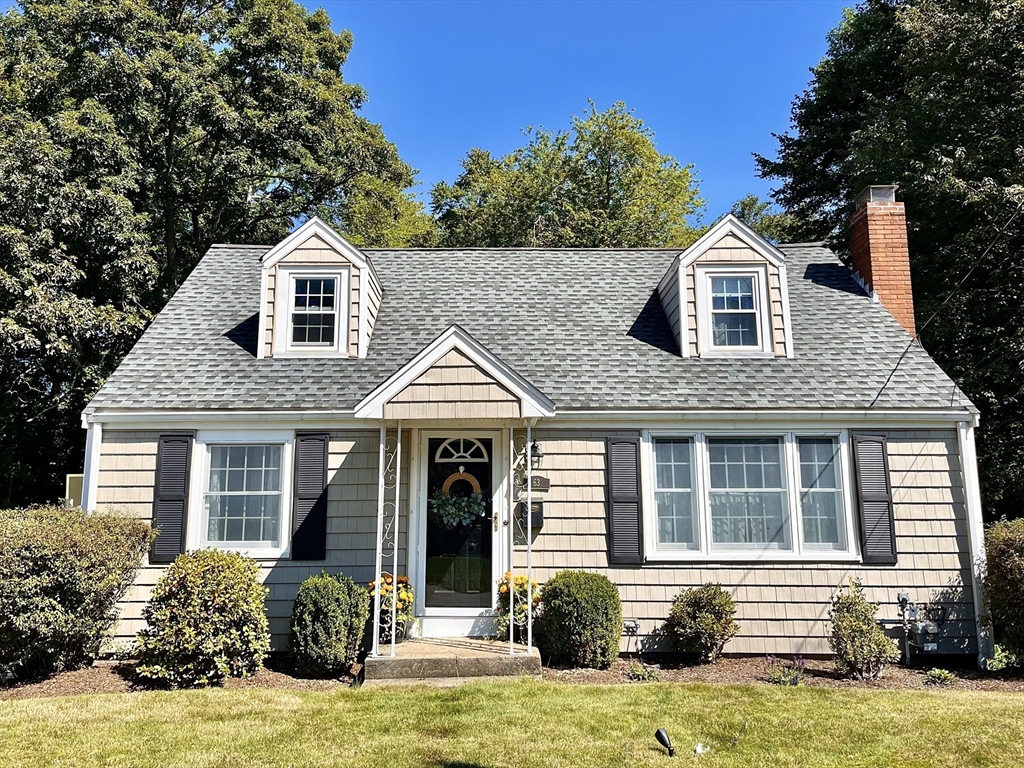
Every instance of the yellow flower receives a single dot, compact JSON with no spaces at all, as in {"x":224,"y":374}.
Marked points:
{"x":503,"y":589}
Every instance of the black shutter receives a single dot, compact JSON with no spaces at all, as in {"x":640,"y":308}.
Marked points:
{"x":877,"y":528}
{"x":170,"y":497}
{"x":309,"y":525}
{"x":625,"y":524}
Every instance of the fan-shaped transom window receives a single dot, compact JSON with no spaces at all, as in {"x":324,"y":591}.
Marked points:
{"x":464,"y":449}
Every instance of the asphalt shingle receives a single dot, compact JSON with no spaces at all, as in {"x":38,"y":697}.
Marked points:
{"x":584,"y":326}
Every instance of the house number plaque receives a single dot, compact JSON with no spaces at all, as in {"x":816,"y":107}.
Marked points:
{"x":538,"y":483}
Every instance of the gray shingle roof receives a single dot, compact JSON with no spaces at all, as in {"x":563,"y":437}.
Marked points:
{"x":584,"y":326}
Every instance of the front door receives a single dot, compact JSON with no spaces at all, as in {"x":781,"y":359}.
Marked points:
{"x":460,"y":514}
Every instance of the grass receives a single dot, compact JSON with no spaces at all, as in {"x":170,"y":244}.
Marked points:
{"x":517,"y":723}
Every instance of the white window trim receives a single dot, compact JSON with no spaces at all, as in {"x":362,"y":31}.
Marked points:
{"x":286,"y":277}
{"x":759,"y":273}
{"x":200,"y":480}
{"x":702,"y":482}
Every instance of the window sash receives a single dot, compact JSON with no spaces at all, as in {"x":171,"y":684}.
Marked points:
{"x":821,"y":500}
{"x":237,"y":498}
{"x":733,"y":311}
{"x":676,"y":508}
{"x":797,"y":536}
{"x":318,"y":320}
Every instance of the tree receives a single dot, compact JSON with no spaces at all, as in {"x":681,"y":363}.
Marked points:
{"x":761,"y":216}
{"x":928,"y":95}
{"x":133,"y":135}
{"x":601,"y":184}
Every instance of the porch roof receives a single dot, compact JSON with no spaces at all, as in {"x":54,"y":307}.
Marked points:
{"x":585,"y":327}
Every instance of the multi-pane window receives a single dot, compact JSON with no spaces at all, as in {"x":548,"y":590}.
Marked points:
{"x":677,"y":519}
{"x":733,"y":311}
{"x":821,"y":501}
{"x":243,"y":498}
{"x":749,"y":506}
{"x":314,"y":311}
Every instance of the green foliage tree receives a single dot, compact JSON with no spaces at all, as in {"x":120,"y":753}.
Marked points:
{"x":928,"y":95}
{"x":133,"y":134}
{"x":763,"y":217}
{"x":601,"y":184}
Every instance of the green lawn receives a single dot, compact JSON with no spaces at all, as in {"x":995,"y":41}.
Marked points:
{"x":518,"y":723}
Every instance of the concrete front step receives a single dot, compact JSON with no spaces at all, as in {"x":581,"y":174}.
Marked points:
{"x":450,"y":659}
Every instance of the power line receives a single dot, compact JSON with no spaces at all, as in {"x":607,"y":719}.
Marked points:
{"x":946,"y":301}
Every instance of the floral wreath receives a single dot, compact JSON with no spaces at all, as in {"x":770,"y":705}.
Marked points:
{"x":453,"y":512}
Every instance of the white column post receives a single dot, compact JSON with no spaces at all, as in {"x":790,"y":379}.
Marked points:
{"x":380,"y":544}
{"x":975,"y":532}
{"x":529,"y":537}
{"x":394,"y":567}
{"x":511,"y":538}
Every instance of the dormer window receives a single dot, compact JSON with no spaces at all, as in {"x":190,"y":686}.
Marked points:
{"x":732,"y":310}
{"x":314,"y":311}
{"x":733,"y":316}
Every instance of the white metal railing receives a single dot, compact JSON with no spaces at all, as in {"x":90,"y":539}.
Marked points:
{"x":388,"y":513}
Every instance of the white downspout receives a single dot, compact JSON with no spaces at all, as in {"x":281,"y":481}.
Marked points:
{"x":975,"y":531}
{"x":91,"y":470}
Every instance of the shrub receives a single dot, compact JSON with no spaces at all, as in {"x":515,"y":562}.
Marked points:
{"x":62,"y":573}
{"x":1001,"y":659}
{"x":639,"y":672}
{"x":939,"y":677}
{"x":206,"y":620}
{"x":701,"y":621}
{"x":1004,"y":582}
{"x":779,"y":672}
{"x":580,"y":621}
{"x":860,"y":646}
{"x":328,"y":618}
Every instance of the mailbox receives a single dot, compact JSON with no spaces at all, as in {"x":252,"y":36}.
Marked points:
{"x":536,"y":517}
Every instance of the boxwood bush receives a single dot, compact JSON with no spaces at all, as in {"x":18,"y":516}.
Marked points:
{"x":701,"y":621}
{"x":580,"y":621}
{"x":861,"y":647}
{"x":206,"y":620}
{"x":62,"y":573}
{"x":328,"y":619}
{"x":1004,"y":583}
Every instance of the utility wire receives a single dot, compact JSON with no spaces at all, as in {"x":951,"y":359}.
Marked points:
{"x":945,"y":301}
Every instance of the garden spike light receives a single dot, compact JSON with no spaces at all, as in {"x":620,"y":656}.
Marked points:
{"x":662,"y":736}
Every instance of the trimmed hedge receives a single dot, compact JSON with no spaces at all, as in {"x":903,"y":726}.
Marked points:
{"x":1004,"y":583}
{"x":62,"y":573}
{"x":701,"y":621}
{"x":328,"y":619}
{"x":580,"y":621}
{"x":206,"y":620}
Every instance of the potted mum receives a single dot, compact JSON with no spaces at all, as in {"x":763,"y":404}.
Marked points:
{"x":393,"y":590}
{"x":521,"y":592}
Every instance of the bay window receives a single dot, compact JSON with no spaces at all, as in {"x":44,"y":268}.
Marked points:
{"x":761,"y":496}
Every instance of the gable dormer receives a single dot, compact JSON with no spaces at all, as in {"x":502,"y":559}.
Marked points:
{"x":726,"y":295}
{"x":320,"y":296}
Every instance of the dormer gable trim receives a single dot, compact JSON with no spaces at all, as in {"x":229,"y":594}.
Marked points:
{"x":534,"y":403}
{"x":315,"y":227}
{"x":731,"y":225}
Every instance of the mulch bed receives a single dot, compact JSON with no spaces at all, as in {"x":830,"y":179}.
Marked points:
{"x":119,"y":677}
{"x":819,"y":674}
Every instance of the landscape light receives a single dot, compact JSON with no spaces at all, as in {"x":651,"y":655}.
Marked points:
{"x":662,"y":736}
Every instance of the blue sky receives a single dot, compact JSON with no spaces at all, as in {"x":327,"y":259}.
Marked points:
{"x":712,"y":79}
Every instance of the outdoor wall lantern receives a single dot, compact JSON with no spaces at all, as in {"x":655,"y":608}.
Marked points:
{"x":662,"y":736}
{"x":536,"y":453}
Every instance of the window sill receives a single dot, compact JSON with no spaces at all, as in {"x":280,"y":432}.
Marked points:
{"x":256,"y":553}
{"x":737,"y":353}
{"x":704,"y":558}
{"x":312,"y":352}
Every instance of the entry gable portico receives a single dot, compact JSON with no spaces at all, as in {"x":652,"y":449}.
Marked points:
{"x":455,"y":377}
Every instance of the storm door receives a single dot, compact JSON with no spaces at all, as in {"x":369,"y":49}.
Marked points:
{"x":460,"y":514}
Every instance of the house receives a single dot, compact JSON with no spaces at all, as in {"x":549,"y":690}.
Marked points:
{"x":736,"y":412}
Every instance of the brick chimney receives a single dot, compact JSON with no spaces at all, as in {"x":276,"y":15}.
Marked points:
{"x":878,"y":245}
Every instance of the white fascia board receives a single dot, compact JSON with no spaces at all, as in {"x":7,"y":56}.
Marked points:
{"x":535,"y":403}
{"x":314,"y":226}
{"x":91,"y":470}
{"x":731,"y":225}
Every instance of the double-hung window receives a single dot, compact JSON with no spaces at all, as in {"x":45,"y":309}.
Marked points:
{"x":737,"y":496}
{"x":243,"y":501}
{"x":312,"y":317}
{"x":732,"y":310}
